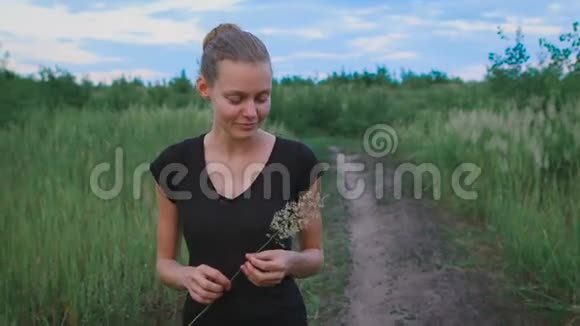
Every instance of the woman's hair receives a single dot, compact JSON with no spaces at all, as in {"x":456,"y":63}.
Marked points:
{"x":229,"y":41}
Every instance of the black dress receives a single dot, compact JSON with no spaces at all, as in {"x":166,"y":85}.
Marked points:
{"x":219,"y":231}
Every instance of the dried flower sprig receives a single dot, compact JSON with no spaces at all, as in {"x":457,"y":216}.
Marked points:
{"x":295,"y":216}
{"x":287,"y":222}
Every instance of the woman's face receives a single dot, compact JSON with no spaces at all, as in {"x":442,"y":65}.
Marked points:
{"x":240,"y":96}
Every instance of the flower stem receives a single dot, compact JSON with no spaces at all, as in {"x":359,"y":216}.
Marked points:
{"x":232,"y":279}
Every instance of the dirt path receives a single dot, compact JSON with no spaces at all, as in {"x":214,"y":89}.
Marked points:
{"x":399,"y":274}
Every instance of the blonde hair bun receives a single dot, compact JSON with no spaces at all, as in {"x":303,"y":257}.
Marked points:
{"x":221,"y":28}
{"x":229,"y":42}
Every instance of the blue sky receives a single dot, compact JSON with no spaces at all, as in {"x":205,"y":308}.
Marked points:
{"x":156,"y":39}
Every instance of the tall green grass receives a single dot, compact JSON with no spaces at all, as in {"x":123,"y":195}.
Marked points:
{"x":68,"y":255}
{"x":528,"y":189}
{"x":347,"y":110}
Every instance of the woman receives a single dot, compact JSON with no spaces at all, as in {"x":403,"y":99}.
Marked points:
{"x":221,"y":189}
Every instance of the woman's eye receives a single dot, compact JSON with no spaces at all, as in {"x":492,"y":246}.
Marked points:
{"x":235,"y":99}
{"x":263,"y":99}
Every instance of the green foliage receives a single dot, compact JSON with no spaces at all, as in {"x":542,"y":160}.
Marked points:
{"x":512,"y":62}
{"x":555,"y":75}
{"x":381,"y":77}
{"x":415,"y":81}
{"x":527,"y":190}
{"x":71,"y":256}
{"x":565,"y":59}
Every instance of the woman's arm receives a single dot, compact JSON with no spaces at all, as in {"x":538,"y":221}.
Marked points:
{"x":168,"y":241}
{"x":310,"y":259}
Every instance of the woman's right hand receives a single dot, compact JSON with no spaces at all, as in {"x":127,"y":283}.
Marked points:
{"x":204,"y":283}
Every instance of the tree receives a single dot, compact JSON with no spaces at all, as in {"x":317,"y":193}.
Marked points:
{"x":565,"y":59}
{"x":511,"y":63}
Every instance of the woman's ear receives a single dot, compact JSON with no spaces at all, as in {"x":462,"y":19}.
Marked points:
{"x":202,"y":87}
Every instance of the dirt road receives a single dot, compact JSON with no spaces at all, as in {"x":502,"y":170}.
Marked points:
{"x":400,"y":275}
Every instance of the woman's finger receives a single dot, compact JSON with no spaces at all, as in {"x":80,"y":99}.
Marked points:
{"x":267,"y":275}
{"x":195,"y":296}
{"x":192,"y":293}
{"x":209,"y":285}
{"x":265,"y":265}
{"x":260,"y":278}
{"x":266,"y":254}
{"x":256,"y":273}
{"x":250,"y":274}
{"x":206,"y":295}
{"x":216,"y":276}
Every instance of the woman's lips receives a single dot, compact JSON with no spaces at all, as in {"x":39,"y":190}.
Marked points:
{"x":247,"y":125}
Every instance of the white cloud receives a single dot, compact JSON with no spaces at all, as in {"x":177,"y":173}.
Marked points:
{"x":371,"y":10}
{"x":399,"y":55}
{"x":312,"y":55}
{"x":355,"y":23}
{"x":471,"y":73}
{"x":378,"y":43}
{"x":189,"y":5}
{"x":428,"y":8}
{"x":529,"y":25}
{"x":434,"y":12}
{"x":448,"y":33}
{"x":21,"y":68}
{"x":469,"y":25}
{"x":410,"y":20}
{"x":317,"y":75}
{"x":98,"y":5}
{"x":309,"y":33}
{"x":454,"y":27}
{"x":128,"y":24}
{"x":53,"y":51}
{"x":108,"y":76}
{"x":554,"y":7}
{"x":493,"y":14}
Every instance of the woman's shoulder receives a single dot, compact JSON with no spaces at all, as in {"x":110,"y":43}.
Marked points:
{"x":177,"y":150}
{"x":296,"y":149}
{"x":302,"y":159}
{"x":175,"y":156}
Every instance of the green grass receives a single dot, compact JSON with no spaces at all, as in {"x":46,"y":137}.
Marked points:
{"x":72,"y":257}
{"x":527,"y":190}
{"x":69,"y":255}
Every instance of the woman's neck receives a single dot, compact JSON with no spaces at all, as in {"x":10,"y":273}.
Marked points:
{"x":231,"y":146}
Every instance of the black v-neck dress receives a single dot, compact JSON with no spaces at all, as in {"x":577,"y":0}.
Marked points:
{"x":219,"y":231}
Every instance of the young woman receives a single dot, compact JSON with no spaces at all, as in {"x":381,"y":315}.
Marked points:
{"x":221,"y":188}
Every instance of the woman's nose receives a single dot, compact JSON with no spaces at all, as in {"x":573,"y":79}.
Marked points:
{"x":250,"y":110}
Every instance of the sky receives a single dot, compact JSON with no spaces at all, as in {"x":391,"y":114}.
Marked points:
{"x":157,"y":39}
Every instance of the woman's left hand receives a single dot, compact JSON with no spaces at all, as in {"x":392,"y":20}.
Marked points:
{"x":267,"y":268}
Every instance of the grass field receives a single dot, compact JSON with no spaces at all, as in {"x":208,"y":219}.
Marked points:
{"x":527,"y":190}
{"x":73,"y":257}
